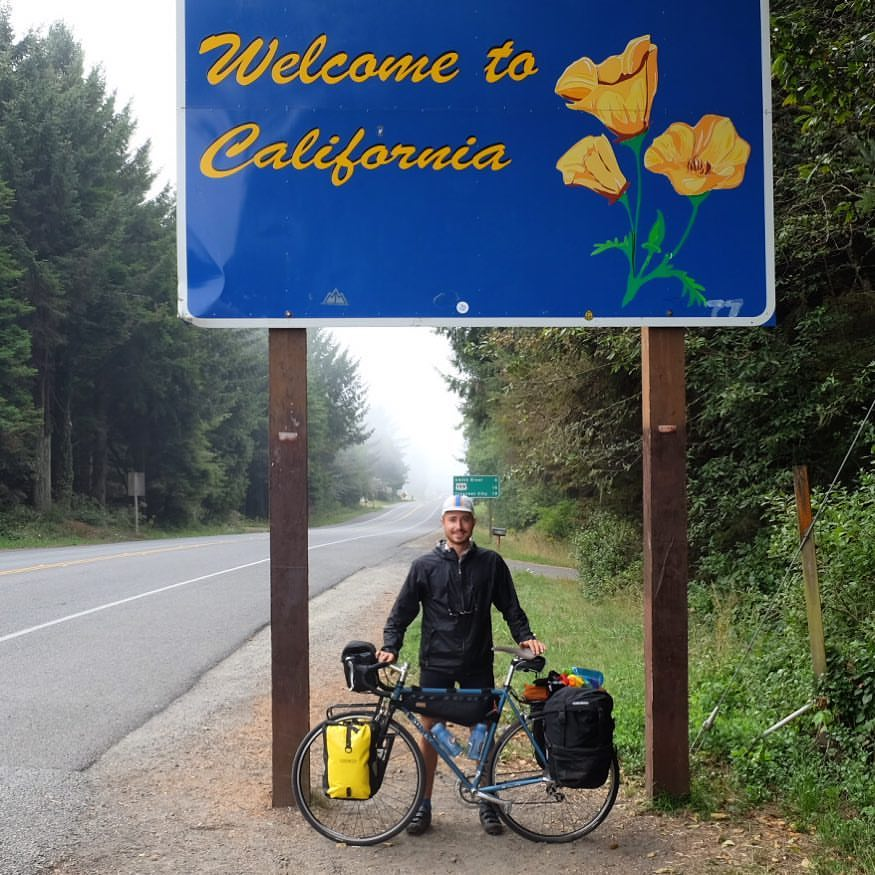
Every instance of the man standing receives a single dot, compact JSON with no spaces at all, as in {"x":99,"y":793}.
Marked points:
{"x":456,"y":584}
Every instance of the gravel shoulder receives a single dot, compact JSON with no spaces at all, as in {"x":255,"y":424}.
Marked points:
{"x":189,"y":792}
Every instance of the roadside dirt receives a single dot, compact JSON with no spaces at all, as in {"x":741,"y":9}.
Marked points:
{"x":190,"y":791}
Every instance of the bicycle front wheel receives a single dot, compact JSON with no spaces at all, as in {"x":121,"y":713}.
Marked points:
{"x":360,"y":821}
{"x":545,"y":812}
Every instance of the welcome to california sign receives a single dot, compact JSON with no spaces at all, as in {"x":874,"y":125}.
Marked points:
{"x":564,"y":162}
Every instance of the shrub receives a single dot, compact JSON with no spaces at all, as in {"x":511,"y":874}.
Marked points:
{"x":607,"y":549}
{"x":558,"y":521}
{"x":752,"y":655}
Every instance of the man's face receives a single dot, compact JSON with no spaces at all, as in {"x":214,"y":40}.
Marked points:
{"x":458,"y":526}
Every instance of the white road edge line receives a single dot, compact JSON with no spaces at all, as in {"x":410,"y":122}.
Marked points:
{"x":132,"y":598}
{"x":142,"y":595}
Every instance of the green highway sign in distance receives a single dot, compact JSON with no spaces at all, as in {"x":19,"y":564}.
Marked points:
{"x":477,"y":487}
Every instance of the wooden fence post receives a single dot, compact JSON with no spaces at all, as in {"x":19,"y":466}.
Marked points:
{"x":809,"y":569}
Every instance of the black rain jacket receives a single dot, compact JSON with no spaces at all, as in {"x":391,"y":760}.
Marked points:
{"x":456,"y":597}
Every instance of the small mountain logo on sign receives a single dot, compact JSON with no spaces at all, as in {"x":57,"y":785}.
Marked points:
{"x":336,"y":298}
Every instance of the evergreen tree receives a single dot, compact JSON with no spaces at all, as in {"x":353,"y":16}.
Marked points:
{"x":336,"y":416}
{"x":17,"y":415}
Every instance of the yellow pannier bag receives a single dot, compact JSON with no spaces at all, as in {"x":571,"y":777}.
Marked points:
{"x":348,"y":746}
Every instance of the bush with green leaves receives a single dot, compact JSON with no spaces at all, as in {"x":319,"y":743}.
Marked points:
{"x":558,"y":521}
{"x":607,"y":549}
{"x":752,"y":651}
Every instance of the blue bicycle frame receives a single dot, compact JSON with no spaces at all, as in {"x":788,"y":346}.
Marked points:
{"x":503,"y":697}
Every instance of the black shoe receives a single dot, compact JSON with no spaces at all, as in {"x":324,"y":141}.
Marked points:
{"x":489,"y":820}
{"x":421,"y":821}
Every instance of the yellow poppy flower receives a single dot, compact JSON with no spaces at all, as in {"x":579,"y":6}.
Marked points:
{"x":619,"y":91}
{"x":697,"y":160}
{"x":591,"y":163}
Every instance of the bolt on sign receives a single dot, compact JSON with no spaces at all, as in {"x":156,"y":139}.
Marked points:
{"x":566,"y":162}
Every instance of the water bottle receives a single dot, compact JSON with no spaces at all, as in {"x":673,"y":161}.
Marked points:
{"x":445,"y":740}
{"x":476,"y":741}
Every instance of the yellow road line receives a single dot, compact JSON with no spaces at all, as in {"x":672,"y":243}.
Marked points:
{"x":126,"y":555}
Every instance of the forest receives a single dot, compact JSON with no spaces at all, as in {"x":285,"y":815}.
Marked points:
{"x":98,"y":376}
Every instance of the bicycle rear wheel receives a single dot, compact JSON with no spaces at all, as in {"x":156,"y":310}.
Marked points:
{"x":545,"y":812}
{"x":360,"y":821}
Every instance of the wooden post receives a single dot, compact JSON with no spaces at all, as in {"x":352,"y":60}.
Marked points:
{"x":667,"y":764}
{"x":289,"y":584}
{"x":809,"y":570}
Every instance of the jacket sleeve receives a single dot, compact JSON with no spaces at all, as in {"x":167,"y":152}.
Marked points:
{"x":403,"y":613}
{"x":506,"y":600}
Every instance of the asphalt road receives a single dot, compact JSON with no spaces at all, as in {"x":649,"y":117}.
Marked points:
{"x":95,"y":640}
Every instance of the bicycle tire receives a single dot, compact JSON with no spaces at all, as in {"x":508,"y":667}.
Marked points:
{"x":360,"y":821}
{"x":545,"y":812}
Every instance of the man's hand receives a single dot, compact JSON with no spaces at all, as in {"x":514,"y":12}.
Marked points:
{"x":385,"y":656}
{"x":537,"y":647}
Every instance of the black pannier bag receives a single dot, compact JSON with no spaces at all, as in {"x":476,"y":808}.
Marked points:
{"x":463,"y":707}
{"x":359,"y":660}
{"x":579,"y":733}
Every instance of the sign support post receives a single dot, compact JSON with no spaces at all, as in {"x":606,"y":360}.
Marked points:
{"x":289,"y":517}
{"x":667,"y":766}
{"x":137,"y":488}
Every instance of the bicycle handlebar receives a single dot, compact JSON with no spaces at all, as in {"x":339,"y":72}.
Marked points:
{"x":518,"y":652}
{"x":524,"y":660}
{"x":377,"y":667}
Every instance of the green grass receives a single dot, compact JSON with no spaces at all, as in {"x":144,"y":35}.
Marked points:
{"x":343,"y":514}
{"x":529,"y":546}
{"x":90,"y":525}
{"x":29,"y":530}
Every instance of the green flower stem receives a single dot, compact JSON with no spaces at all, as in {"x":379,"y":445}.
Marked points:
{"x":696,"y":200}
{"x":624,"y":200}
{"x":633,"y":284}
{"x":646,"y":263}
{"x":630,"y":253}
{"x":636,"y":144}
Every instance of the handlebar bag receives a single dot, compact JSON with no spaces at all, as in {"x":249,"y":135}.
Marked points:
{"x":359,"y":660}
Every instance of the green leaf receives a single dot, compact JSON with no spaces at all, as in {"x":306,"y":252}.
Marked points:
{"x":656,"y":235}
{"x":624,"y":245}
{"x":692,"y":289}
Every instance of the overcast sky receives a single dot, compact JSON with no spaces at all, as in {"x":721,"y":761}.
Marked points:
{"x":135,"y":45}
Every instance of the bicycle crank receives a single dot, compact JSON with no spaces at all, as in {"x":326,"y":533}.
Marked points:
{"x":466,"y":794}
